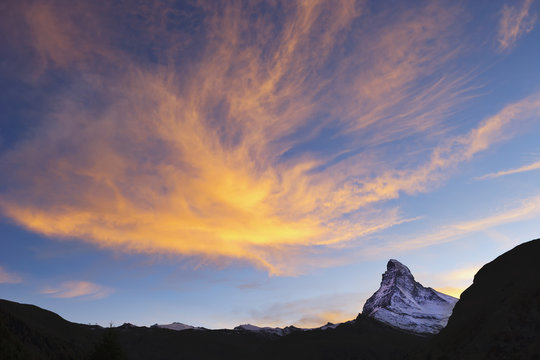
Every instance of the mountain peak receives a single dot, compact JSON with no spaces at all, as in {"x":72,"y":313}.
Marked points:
{"x":175,"y":326}
{"x":395,"y":267}
{"x":403,"y":302}
{"x":396,"y":275}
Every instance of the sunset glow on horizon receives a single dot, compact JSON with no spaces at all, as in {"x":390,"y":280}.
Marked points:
{"x":230,"y":162}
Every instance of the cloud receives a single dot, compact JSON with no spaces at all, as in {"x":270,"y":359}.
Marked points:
{"x":78,"y":289}
{"x":463,"y":273}
{"x":9,"y":278}
{"x":311,"y":312}
{"x":515,"y":22}
{"x":524,"y":168}
{"x":452,"y":291}
{"x":456,"y":281}
{"x":519,"y":211}
{"x":450,"y":153}
{"x":239,"y":137}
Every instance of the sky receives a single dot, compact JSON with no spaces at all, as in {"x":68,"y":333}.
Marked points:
{"x":222,"y":163}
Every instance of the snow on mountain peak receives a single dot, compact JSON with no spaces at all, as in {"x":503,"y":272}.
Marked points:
{"x":248,"y":327}
{"x":282,"y":331}
{"x":175,"y":326}
{"x":404,"y":303}
{"x":268,"y":330}
{"x":178,"y":326}
{"x":395,"y":267}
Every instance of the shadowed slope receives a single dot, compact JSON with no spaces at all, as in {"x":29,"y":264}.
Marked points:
{"x":28,"y":332}
{"x":363,"y":338}
{"x":498,"y":317}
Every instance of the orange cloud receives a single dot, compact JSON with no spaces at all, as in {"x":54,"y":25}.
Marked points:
{"x":310,"y":312}
{"x":515,"y":22}
{"x":463,"y":274}
{"x":452,"y":291}
{"x":78,"y":289}
{"x":215,"y":154}
{"x":521,"y":169}
{"x":9,"y":278}
{"x":456,"y":281}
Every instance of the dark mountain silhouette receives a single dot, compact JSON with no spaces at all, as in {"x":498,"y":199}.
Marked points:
{"x":498,"y":317}
{"x":29,"y":332}
{"x":362,"y":338}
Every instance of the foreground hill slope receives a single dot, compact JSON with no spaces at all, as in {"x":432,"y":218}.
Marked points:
{"x":498,"y":316}
{"x":29,"y":332}
{"x":362,"y":338}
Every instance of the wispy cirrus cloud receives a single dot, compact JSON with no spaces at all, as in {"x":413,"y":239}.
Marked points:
{"x":521,"y":169}
{"x":451,"y":290}
{"x":78,"y":289}
{"x":211,"y":145}
{"x":522,"y":210}
{"x":516,"y":21}
{"x":310,"y":312}
{"x":466,"y":273}
{"x":456,"y":281}
{"x":9,"y":277}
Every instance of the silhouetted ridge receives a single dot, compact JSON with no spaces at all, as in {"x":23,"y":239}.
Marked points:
{"x":498,"y":316}
{"x":28,"y":332}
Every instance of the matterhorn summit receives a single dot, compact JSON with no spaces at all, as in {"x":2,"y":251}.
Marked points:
{"x":404,"y":303}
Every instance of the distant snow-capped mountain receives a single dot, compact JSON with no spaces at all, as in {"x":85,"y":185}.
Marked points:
{"x":404,"y":303}
{"x":268,"y":330}
{"x":247,"y":327}
{"x":281,"y":331}
{"x":178,"y":326}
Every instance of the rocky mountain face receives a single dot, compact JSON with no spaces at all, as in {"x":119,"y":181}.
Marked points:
{"x":404,"y":303}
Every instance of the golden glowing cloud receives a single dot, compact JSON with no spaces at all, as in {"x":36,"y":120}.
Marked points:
{"x":452,"y":291}
{"x":78,"y":289}
{"x":8,"y":277}
{"x":521,"y":169}
{"x":310,"y":312}
{"x":212,"y":149}
{"x":457,"y":281}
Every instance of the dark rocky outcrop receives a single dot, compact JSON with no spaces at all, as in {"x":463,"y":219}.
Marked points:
{"x":498,"y":316}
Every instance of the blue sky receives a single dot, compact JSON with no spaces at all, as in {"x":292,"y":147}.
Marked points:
{"x":225,"y":163}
